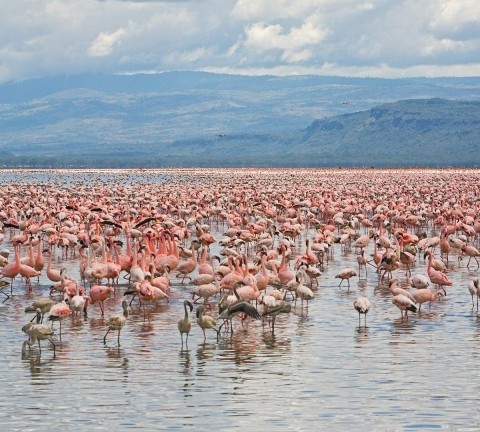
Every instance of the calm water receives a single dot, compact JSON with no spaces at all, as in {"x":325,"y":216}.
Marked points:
{"x":319,"y":370}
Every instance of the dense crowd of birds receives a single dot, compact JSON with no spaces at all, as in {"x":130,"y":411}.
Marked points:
{"x":278,"y":232}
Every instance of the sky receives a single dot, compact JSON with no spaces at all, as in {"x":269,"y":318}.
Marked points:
{"x":359,"y":38}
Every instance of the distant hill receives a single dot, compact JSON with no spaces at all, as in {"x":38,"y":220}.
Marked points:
{"x":424,"y":132}
{"x":201,"y":119}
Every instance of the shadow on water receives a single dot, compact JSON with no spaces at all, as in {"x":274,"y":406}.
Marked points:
{"x":303,"y":355}
{"x":40,"y":364}
{"x":361,"y":336}
{"x":187,"y":372}
{"x":115,"y":352}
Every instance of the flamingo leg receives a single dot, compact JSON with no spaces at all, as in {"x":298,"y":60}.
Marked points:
{"x":54,"y":346}
{"x":105,"y":337}
{"x":6,"y":295}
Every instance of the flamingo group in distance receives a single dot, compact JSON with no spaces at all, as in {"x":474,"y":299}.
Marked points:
{"x":248,"y":243}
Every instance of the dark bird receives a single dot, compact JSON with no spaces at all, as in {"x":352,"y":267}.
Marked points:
{"x":273,"y":311}
{"x":185,"y":324}
{"x":145,"y":221}
{"x":42,"y":305}
{"x":110,"y":222}
{"x":228,"y":312}
{"x":10,"y":225}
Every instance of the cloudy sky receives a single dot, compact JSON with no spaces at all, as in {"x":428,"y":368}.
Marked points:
{"x":376,"y":38}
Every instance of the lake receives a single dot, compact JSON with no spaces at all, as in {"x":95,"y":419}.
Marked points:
{"x":319,"y":370}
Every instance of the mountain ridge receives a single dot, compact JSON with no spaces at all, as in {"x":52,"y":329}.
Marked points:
{"x":209,"y":119}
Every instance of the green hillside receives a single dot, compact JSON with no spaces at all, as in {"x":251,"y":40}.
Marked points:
{"x":201,"y":119}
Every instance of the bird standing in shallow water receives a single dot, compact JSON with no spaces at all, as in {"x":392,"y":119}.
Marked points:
{"x":436,"y":277}
{"x":240,"y":307}
{"x":346,"y":273}
{"x":58,"y":312}
{"x":272,"y":311}
{"x":205,"y":321}
{"x":37,"y":332}
{"x":404,"y":304}
{"x":474,"y":288}
{"x":424,"y":295}
{"x":362,"y":306}
{"x":185,"y":324}
{"x":116,"y":322}
{"x":43,"y":304}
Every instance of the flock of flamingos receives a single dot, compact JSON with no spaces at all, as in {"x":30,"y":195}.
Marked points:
{"x":234,"y":245}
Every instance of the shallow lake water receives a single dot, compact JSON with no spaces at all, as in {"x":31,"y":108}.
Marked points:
{"x":319,"y":370}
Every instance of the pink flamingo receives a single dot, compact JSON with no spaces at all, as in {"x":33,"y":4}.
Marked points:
{"x":11,"y":270}
{"x":404,"y":304}
{"x":444,"y":244}
{"x":204,"y":266}
{"x":248,"y":292}
{"x":98,"y":293}
{"x":471,"y":252}
{"x":426,"y":295}
{"x":188,"y":266}
{"x":362,"y":306}
{"x":28,"y":272}
{"x":303,"y":291}
{"x":436,"y":277}
{"x":395,"y":289}
{"x":363,"y":241}
{"x":136,"y":271}
{"x":263,"y":276}
{"x":347,"y":274}
{"x":173,"y":257}
{"x":58,"y":312}
{"x":147,"y":293}
{"x":284,"y":274}
{"x":163,"y":281}
{"x":362,"y":262}
{"x":52,"y":274}
{"x":309,"y":257}
{"x":404,"y":257}
{"x":235,"y":275}
{"x":206,"y":291}
{"x":474,"y":289}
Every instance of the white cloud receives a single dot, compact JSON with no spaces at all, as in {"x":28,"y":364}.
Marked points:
{"x":458,"y":20}
{"x":104,"y":43}
{"x":374,"y":37}
{"x":260,"y":38}
{"x":186,"y":57}
{"x":256,"y":10}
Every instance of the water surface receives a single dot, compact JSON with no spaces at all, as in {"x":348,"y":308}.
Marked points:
{"x":319,"y":371}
